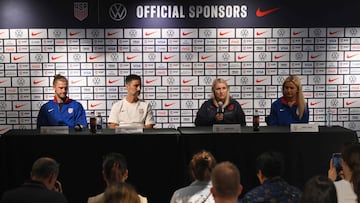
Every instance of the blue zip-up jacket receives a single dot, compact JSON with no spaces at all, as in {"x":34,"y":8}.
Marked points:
{"x":71,"y":114}
{"x":282,"y":114}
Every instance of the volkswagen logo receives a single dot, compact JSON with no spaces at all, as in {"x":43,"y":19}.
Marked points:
{"x":316,"y":79}
{"x":18,"y":33}
{"x":189,"y":104}
{"x":77,"y":57}
{"x":151,"y":56}
{"x":244,"y":80}
{"x":170,"y":33}
{"x":114,"y":57}
{"x":244,"y":33}
{"x":95,"y":33}
{"x":262,"y":103}
{"x":317,"y":32}
{"x":353,"y":31}
{"x":39,"y":57}
{"x":226,"y":56}
{"x":96,"y":81}
{"x":262,"y":56}
{"x":170,"y":80}
{"x":334,"y":103}
{"x":20,"y":81}
{"x":207,"y":33}
{"x":2,"y":105}
{"x":334,"y":55}
{"x":299,"y":56}
{"x":281,"y":32}
{"x":189,"y":56}
{"x":352,"y":79}
{"x":207,"y":80}
{"x":57,"y":33}
{"x":117,"y":12}
{"x":2,"y":57}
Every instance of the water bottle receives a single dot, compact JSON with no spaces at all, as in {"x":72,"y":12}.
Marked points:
{"x":256,"y":121}
{"x":99,"y":122}
{"x":92,"y":122}
{"x":328,"y":117}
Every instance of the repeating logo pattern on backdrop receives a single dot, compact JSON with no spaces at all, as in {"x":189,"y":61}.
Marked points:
{"x":178,"y":66}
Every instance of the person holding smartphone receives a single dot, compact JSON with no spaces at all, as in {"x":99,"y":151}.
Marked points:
{"x":348,"y":188}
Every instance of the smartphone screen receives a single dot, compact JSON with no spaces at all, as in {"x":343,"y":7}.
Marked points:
{"x":337,"y":161}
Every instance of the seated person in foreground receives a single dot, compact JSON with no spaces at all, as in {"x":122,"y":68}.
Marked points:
{"x":41,"y":188}
{"x":201,"y":166}
{"x":61,"y":111}
{"x":225,"y":178}
{"x":291,"y":107}
{"x":131,"y":111}
{"x":273,"y":188}
{"x":348,"y":188}
{"x":121,"y":193}
{"x":114,"y":171}
{"x":319,"y":189}
{"x":221,"y":108}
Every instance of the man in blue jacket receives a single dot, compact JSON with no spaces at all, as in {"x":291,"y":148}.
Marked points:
{"x":61,"y":111}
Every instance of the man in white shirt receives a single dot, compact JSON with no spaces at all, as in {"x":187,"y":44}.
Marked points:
{"x":131,"y":111}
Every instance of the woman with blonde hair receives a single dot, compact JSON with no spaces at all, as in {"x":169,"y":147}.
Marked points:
{"x":291,"y":107}
{"x":220,"y":108}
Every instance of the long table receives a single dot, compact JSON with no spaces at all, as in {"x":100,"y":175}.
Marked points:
{"x":158,"y":159}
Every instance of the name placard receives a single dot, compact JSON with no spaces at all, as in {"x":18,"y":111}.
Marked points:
{"x":226,"y":128}
{"x":129,"y":130}
{"x":54,"y":130}
{"x":304,"y":127}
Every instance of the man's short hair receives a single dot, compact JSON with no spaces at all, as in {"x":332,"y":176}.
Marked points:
{"x":225,"y":179}
{"x":110,"y":159}
{"x":60,"y":78}
{"x":132,"y":77}
{"x":44,"y":167}
{"x":271,"y":164}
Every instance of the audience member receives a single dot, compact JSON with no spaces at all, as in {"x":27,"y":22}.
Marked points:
{"x":226,"y":187}
{"x":273,"y":188}
{"x":121,"y":193}
{"x":348,"y":189}
{"x":291,"y":107}
{"x":131,"y":111}
{"x":220,"y":108}
{"x":319,"y":189}
{"x":41,"y":187}
{"x":201,"y":166}
{"x":61,"y":111}
{"x":114,"y":171}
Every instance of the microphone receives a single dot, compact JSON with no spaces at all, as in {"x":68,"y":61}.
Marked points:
{"x":78,"y":127}
{"x":220,"y":109}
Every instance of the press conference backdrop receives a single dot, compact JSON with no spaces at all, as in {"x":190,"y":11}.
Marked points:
{"x":178,"y":48}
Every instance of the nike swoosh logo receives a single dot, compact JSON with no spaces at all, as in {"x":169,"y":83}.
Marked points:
{"x":186,"y":81}
{"x":112,"y":81}
{"x":314,"y":103}
{"x":19,"y":106}
{"x":109,"y":34}
{"x":75,"y":81}
{"x":332,"y":33}
{"x":349,"y":103}
{"x":2,"y":81}
{"x":205,"y":57}
{"x":350,"y":56}
{"x":186,"y":33}
{"x":223,"y":33}
{"x":73,"y":33}
{"x":260,"y":13}
{"x":296,"y":33}
{"x":242,"y":57}
{"x":94,"y":105}
{"x":149,"y":81}
{"x":2,"y":33}
{"x":18,"y":58}
{"x":149,"y":33}
{"x":34,"y":34}
{"x":50,"y":110}
{"x":36,"y":82}
{"x":93,"y":57}
{"x":167,"y":57}
{"x":277,"y":57}
{"x":242,"y":104}
{"x":2,"y":129}
{"x":262,"y":80}
{"x":260,"y":33}
{"x":53,"y":58}
{"x":332,"y":80}
{"x":314,"y":56}
{"x":130,"y":57}
{"x":167,"y":104}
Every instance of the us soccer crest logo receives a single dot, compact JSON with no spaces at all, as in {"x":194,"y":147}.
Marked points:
{"x":81,"y":10}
